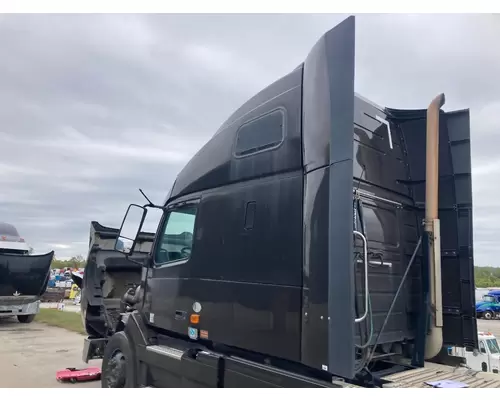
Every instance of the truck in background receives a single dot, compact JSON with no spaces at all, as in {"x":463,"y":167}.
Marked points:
{"x":23,"y":277}
{"x":485,"y":359}
{"x":489,"y":306}
{"x":302,"y":246}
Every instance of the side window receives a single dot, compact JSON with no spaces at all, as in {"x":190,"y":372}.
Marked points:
{"x":176,"y":238}
{"x":482,"y":349}
{"x":263,"y":133}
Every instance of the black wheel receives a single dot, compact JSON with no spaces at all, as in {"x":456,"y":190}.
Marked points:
{"x":118,"y":363}
{"x":26,"y":319}
{"x":487,"y":315}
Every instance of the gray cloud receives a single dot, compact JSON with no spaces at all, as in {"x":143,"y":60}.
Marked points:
{"x":94,"y":106}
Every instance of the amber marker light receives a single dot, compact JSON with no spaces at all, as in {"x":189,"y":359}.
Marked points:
{"x":194,"y":319}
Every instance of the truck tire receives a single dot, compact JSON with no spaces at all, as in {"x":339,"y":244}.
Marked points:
{"x":118,"y":363}
{"x":487,"y":315}
{"x":26,"y":319}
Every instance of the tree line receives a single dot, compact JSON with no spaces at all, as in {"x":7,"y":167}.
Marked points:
{"x":73,"y":262}
{"x":487,"y":277}
{"x":484,"y":276}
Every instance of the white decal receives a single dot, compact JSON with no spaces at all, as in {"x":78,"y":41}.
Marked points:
{"x":196,"y":307}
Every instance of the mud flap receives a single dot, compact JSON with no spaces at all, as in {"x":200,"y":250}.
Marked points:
{"x":93,"y":348}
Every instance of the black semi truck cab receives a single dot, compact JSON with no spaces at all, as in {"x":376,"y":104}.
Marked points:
{"x":316,"y":240}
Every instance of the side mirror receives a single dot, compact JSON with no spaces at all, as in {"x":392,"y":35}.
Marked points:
{"x":131,"y":226}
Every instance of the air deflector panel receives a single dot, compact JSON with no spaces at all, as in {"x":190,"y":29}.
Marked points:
{"x":328,"y":119}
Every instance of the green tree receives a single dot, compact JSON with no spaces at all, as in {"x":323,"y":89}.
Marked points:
{"x":487,"y":276}
{"x":74,"y":262}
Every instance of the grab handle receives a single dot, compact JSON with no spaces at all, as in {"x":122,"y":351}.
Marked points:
{"x":365,"y":262}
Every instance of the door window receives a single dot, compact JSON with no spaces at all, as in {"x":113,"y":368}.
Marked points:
{"x":490,"y":299}
{"x":482,"y":349}
{"x":493,"y":346}
{"x":176,"y":236}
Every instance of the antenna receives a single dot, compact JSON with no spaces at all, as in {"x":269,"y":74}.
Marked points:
{"x":146,"y":197}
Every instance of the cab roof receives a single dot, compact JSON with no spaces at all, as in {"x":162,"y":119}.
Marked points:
{"x":486,"y":334}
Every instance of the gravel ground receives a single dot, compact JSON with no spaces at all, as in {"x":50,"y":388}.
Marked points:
{"x":30,"y":355}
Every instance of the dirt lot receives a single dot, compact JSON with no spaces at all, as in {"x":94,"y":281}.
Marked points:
{"x":30,"y":355}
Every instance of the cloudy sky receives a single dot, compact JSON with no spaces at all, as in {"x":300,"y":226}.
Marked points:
{"x":92,"y":107}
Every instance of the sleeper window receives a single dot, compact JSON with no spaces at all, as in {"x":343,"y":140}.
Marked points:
{"x":177,"y":236}
{"x":263,"y":133}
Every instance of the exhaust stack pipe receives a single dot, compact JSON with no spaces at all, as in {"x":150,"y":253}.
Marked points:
{"x":434,"y":341}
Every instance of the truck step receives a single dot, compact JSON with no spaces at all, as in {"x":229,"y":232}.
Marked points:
{"x":166,"y":351}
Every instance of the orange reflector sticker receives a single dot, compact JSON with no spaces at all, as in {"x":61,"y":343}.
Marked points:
{"x":195,"y":318}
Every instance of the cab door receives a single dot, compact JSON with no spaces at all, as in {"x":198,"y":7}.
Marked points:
{"x":477,"y":360}
{"x":484,"y":357}
{"x":168,"y":301}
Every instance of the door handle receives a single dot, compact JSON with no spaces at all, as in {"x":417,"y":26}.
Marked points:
{"x":180,"y":315}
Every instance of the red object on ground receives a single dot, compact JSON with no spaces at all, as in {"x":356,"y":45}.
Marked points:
{"x":78,"y":375}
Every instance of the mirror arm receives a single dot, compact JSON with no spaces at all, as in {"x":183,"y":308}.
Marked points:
{"x":147,"y":205}
{"x":149,"y":259}
{"x":127,"y":257}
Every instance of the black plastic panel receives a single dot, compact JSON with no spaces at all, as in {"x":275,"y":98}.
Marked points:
{"x":239,"y":373}
{"x":24,"y":275}
{"x":102,"y":257}
{"x":328,"y":119}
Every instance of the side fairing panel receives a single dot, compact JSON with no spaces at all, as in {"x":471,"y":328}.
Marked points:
{"x":351,"y":144}
{"x":328,"y":118}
